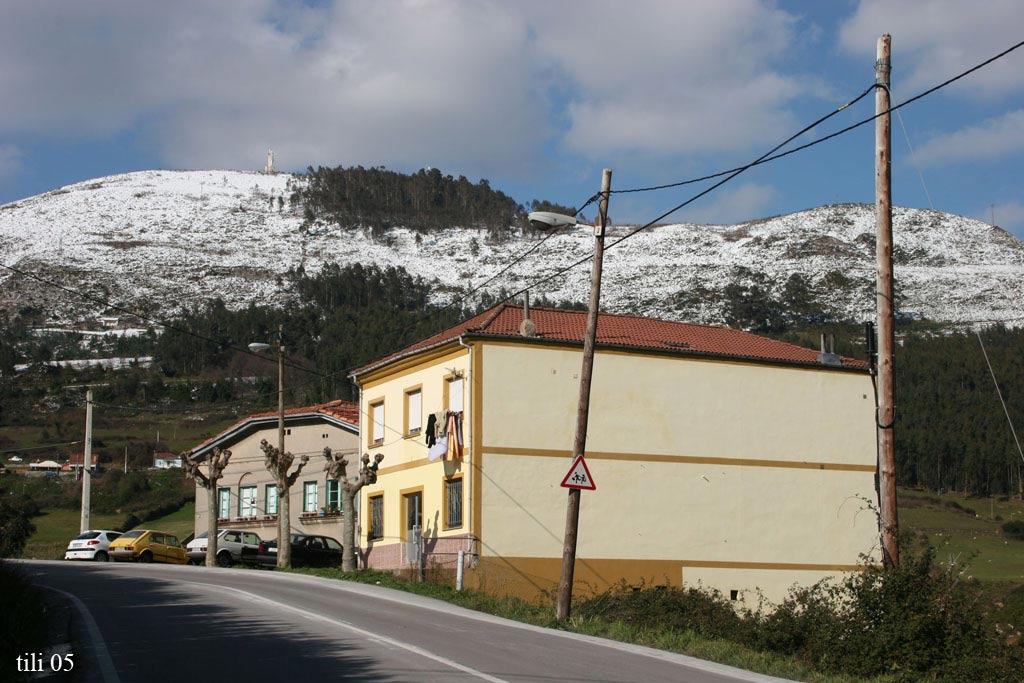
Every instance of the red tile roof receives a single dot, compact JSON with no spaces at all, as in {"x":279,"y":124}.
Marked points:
{"x":343,"y":410}
{"x":76,"y":459}
{"x":621,"y":331}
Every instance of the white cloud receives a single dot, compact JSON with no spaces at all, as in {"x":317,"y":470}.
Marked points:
{"x":1008,"y":215}
{"x":936,"y":39}
{"x":669,"y":77}
{"x":726,"y":207}
{"x":10,"y":161}
{"x":486,"y":85}
{"x":992,"y":139}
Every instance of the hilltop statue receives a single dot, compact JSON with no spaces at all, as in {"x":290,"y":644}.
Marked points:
{"x":269,"y":168}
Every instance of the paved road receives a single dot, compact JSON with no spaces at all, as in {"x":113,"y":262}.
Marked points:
{"x":152,"y":623}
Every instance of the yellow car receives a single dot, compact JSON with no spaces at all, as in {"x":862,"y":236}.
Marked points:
{"x":146,"y":545}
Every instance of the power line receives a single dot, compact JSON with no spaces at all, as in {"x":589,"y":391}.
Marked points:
{"x":863,"y":122}
{"x":39,"y":448}
{"x":765,"y":158}
{"x":1000,"y":393}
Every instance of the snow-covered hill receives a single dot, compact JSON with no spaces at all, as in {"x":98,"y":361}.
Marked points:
{"x":159,"y":241}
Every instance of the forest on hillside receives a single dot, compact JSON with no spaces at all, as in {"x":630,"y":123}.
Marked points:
{"x":426,"y":200}
{"x":951,"y":430}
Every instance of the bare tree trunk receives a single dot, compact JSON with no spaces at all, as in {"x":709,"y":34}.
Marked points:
{"x":348,"y":528}
{"x":336,"y":468}
{"x":284,"y":524}
{"x":211,"y":524}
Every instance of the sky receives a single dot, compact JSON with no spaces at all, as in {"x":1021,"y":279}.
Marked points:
{"x":536,"y":96}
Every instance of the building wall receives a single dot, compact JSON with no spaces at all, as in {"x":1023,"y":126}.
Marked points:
{"x":733,"y":475}
{"x":406,"y":469}
{"x":246,"y":468}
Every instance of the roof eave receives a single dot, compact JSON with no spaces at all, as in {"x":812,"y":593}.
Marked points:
{"x":255,"y":423}
{"x":686,"y":353}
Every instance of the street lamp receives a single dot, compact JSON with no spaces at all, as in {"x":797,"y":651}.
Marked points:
{"x":259,"y":347}
{"x":544,"y":220}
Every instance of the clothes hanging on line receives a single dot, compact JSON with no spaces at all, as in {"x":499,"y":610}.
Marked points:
{"x":431,"y":424}
{"x":438,"y":450}
{"x":453,"y":431}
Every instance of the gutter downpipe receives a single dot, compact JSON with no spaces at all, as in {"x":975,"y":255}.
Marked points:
{"x":469,"y":472}
{"x":360,"y":557}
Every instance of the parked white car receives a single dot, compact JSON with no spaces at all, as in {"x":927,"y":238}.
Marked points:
{"x":91,"y":545}
{"x":232,"y":546}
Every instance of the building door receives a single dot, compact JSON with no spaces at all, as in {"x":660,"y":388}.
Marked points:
{"x":413,"y":515}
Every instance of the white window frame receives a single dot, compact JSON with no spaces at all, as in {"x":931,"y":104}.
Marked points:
{"x":377,"y":423}
{"x":309,"y":496}
{"x":247,"y":501}
{"x":270,"y":493}
{"x":455,"y":394}
{"x":223,"y":502}
{"x":413,"y":411}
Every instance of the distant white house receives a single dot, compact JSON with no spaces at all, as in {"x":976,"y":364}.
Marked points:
{"x":45,"y":466}
{"x":164,"y":461}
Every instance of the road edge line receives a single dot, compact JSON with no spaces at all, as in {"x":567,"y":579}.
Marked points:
{"x":99,"y":646}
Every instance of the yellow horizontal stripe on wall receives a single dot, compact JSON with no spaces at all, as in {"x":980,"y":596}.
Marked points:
{"x":689,"y":459}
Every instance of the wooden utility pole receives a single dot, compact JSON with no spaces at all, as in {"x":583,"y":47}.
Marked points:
{"x":886,"y":412}
{"x":572,"y":515}
{"x":86,"y":461}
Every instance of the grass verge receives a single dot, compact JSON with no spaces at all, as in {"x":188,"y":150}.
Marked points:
{"x":687,"y":643}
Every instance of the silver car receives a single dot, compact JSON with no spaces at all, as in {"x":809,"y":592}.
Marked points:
{"x":91,"y":545}
{"x":232,"y":546}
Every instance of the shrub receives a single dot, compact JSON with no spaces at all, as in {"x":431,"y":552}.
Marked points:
{"x":15,"y":528}
{"x":669,"y":608}
{"x":1014,"y":529}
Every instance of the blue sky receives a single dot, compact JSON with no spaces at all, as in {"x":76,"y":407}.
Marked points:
{"x":535,"y":96}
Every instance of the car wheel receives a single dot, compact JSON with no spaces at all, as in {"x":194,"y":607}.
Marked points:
{"x":224,"y":559}
{"x":100,"y":556}
{"x":146,"y":557}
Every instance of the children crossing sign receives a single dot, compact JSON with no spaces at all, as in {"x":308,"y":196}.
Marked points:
{"x":579,"y":476}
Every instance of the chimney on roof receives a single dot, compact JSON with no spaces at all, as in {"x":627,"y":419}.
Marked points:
{"x":829,"y":357}
{"x":527,"y":328}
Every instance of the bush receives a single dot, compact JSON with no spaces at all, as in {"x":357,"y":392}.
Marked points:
{"x":15,"y":528}
{"x":918,"y":622}
{"x":1014,"y":529}
{"x":668,"y":608}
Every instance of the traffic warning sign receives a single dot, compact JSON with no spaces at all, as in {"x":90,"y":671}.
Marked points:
{"x":579,"y":476}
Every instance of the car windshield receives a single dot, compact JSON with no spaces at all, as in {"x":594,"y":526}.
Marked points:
{"x":87,"y":535}
{"x":202,"y":535}
{"x":133,"y":534}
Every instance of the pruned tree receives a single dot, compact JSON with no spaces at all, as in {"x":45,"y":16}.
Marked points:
{"x":335,"y":468}
{"x":278,"y":464}
{"x":216,"y":461}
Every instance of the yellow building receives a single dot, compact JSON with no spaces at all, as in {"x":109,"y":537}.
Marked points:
{"x":721,"y":458}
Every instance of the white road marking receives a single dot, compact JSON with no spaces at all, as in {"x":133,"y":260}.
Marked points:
{"x":98,"y":644}
{"x":259,"y":599}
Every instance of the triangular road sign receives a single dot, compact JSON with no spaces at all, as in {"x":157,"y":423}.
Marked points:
{"x":579,"y":476}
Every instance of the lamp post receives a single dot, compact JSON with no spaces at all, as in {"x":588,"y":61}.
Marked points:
{"x":283,"y":503}
{"x":544,"y":220}
{"x":257,"y":347}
